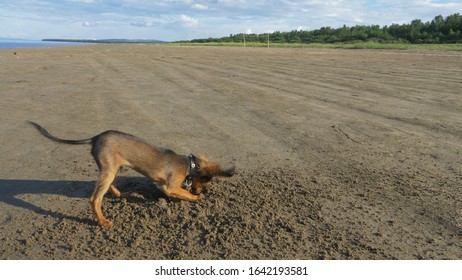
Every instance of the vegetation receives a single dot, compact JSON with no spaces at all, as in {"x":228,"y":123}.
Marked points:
{"x":438,"y":31}
{"x":354,"y":45}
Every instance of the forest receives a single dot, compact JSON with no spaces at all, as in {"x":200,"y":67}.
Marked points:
{"x":441,"y":30}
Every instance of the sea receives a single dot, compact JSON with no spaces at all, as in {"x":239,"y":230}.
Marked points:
{"x":19,"y":43}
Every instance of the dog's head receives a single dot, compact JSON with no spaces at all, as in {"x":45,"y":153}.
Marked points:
{"x":206,"y":171}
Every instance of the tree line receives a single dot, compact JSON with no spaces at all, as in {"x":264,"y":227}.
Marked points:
{"x":441,"y":30}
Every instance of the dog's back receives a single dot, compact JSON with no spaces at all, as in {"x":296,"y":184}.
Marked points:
{"x":115,"y":147}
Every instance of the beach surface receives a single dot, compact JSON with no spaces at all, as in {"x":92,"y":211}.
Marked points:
{"x":340,"y":154}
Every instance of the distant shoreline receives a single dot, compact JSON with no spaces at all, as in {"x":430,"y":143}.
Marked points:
{"x":106,"y":41}
{"x":27,"y":44}
{"x":7,"y":43}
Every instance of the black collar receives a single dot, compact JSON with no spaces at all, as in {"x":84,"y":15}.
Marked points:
{"x":192,"y":169}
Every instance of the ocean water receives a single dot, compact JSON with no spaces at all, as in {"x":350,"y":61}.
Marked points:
{"x":17,"y":44}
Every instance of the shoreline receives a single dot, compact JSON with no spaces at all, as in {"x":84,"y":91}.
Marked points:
{"x":30,"y":44}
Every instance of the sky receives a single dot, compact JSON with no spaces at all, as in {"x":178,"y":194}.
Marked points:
{"x":193,"y":19}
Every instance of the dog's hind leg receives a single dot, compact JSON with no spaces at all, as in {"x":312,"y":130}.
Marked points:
{"x":102,"y":186}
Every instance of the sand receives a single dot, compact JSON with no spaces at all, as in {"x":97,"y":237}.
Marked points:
{"x":341,"y":154}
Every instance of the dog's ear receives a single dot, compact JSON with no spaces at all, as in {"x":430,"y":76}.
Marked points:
{"x":214,"y":169}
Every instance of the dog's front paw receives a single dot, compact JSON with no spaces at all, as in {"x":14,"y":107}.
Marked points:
{"x":107,"y":224}
{"x":200,"y":196}
{"x":125,"y":195}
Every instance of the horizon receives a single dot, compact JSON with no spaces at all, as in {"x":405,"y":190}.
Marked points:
{"x":149,"y":40}
{"x":187,"y":19}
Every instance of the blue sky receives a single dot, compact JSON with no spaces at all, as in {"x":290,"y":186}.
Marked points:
{"x":190,"y":19}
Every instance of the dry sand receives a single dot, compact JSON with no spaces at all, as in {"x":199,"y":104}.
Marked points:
{"x":341,"y":154}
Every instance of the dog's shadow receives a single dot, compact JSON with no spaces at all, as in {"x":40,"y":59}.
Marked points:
{"x":21,"y":193}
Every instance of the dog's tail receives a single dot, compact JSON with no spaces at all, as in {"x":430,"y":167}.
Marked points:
{"x":45,"y":133}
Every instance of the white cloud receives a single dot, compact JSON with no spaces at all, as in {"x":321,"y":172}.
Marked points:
{"x":145,"y":22}
{"x":188,"y":21}
{"x":90,"y":24}
{"x":200,"y":7}
{"x":85,"y":1}
{"x":141,"y":24}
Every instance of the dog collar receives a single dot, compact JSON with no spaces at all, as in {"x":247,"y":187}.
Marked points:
{"x":192,"y":165}
{"x":191,"y":171}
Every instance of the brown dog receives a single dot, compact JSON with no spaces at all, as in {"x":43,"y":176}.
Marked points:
{"x":113,"y":149}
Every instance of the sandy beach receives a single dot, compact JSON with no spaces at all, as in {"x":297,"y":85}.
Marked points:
{"x":341,"y":154}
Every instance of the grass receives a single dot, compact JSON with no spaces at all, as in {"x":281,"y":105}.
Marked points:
{"x":359,"y":45}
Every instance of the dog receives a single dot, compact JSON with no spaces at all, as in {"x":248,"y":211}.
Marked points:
{"x":112,"y":149}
